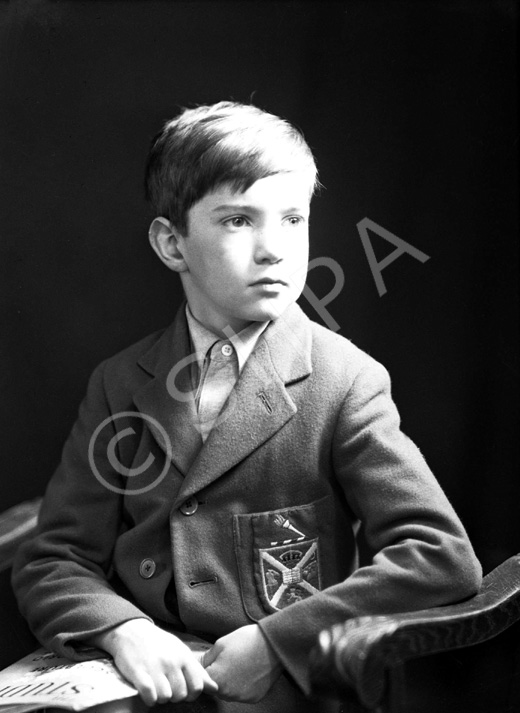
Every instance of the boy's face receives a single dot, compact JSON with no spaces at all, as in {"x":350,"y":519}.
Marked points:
{"x":246,"y":254}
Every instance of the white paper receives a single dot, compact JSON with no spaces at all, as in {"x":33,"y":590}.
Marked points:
{"x":44,"y":679}
{"x":51,"y":680}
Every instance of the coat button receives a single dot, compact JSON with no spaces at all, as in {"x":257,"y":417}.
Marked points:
{"x":147,"y":568}
{"x":189,"y":506}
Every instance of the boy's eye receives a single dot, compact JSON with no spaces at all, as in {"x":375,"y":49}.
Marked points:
{"x":294,"y":220}
{"x":237,"y":221}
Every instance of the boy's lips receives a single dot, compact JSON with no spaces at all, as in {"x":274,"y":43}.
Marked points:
{"x":270,"y":281}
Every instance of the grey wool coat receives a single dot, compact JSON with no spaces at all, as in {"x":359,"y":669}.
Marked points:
{"x":255,"y":525}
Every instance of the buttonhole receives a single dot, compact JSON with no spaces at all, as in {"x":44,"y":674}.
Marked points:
{"x":197,"y":583}
{"x":263,"y":398}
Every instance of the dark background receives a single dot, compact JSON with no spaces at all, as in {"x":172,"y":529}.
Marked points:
{"x":410,"y":108}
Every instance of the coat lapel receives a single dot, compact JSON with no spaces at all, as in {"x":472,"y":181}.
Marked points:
{"x":168,"y":397}
{"x":257,"y":408}
{"x":259,"y":405}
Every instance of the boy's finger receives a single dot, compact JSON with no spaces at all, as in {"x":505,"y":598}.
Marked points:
{"x":146,"y":689}
{"x":179,"y":686}
{"x":163,"y":690}
{"x":197,"y":681}
{"x":209,"y":684}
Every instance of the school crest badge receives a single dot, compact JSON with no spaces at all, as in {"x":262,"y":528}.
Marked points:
{"x":289,"y":569}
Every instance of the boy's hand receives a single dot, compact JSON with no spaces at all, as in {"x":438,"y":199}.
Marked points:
{"x":157,"y":663}
{"x":243,"y":664}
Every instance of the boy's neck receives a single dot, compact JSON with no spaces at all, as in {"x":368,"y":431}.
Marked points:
{"x":217,"y":327}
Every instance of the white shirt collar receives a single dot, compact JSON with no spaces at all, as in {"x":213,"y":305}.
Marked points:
{"x":203,"y":339}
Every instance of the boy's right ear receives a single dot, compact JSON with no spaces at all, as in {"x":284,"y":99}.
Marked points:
{"x":164,"y":239}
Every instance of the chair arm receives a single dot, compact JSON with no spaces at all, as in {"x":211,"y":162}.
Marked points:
{"x":358,"y":653}
{"x":16,"y":525}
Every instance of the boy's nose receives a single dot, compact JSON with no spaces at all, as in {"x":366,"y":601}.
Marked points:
{"x":268,"y":247}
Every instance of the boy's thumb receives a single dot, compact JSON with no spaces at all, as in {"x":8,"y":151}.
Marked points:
{"x":208,"y":657}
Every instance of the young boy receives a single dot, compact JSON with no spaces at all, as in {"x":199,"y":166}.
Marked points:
{"x":218,"y":470}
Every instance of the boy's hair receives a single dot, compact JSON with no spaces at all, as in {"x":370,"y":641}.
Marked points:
{"x":225,"y":143}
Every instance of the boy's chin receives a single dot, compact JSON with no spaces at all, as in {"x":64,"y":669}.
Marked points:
{"x":270,"y":311}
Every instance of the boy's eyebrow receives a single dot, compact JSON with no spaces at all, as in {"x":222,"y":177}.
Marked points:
{"x":249,"y":208}
{"x":234,"y":206}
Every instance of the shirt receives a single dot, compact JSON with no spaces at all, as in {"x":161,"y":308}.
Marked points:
{"x":218,"y":365}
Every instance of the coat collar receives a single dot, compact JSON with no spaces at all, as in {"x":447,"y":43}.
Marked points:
{"x":257,"y":408}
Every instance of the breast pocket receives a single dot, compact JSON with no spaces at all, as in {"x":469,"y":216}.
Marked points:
{"x":279,"y":558}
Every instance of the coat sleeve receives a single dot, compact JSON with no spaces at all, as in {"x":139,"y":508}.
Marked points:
{"x":60,"y":577}
{"x":423,"y":557}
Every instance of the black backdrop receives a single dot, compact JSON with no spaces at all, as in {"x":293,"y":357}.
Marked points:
{"x":410,"y":108}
